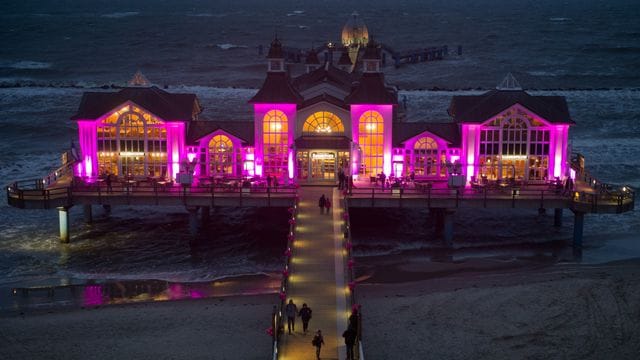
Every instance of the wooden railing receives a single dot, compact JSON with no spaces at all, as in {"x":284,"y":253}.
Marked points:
{"x":277,"y":323}
{"x":351,"y":277}
{"x":621,"y":196}
{"x":20,"y":192}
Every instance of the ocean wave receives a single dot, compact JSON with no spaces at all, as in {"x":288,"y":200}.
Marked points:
{"x":26,"y":65}
{"x":119,"y":15}
{"x":296,"y":13}
{"x":230,"y":46}
{"x":559,"y":19}
{"x":547,"y":73}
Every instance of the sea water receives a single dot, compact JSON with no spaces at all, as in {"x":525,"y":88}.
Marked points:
{"x":51,"y":52}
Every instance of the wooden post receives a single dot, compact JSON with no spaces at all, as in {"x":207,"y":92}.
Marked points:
{"x":447,"y":233}
{"x":193,"y":220}
{"x":557,"y":217}
{"x":88,"y":215}
{"x":63,"y":215}
{"x":578,"y":225}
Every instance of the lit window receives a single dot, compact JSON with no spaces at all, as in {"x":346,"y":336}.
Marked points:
{"x":323,"y":122}
{"x":371,"y":126}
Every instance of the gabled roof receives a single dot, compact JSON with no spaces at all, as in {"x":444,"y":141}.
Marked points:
{"x":167,"y":106}
{"x":371,"y":89}
{"x":326,"y":98}
{"x":404,"y":131}
{"x":243,"y":130}
{"x":480,"y":108}
{"x":277,"y":89}
{"x":325,"y":74}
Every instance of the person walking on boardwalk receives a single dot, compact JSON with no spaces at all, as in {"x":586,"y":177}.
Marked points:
{"x":291,"y":310}
{"x":349,"y":336}
{"x":305,"y":315}
{"x":327,"y":205}
{"x":322,"y":203}
{"x":318,"y":341}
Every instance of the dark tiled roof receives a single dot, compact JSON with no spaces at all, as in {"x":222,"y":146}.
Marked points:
{"x":404,"y":131}
{"x":479,"y":108}
{"x":243,"y":130}
{"x":327,"y":73}
{"x":323,"y":142}
{"x":312,"y":57}
{"x":275,"y":50}
{"x":165,"y":105}
{"x":372,"y":90}
{"x":277,"y":89}
{"x":324,"y":97}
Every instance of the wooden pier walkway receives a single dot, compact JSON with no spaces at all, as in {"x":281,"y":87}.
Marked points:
{"x":317,"y":278}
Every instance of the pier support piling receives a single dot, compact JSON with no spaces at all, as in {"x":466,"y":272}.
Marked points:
{"x":107,"y":209}
{"x":63,"y":215}
{"x":444,"y":224}
{"x":557,"y":217}
{"x":447,"y":229}
{"x":88,"y":215}
{"x":206,"y":212}
{"x":578,"y":225}
{"x":193,"y":220}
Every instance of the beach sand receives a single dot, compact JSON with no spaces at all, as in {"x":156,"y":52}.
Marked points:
{"x":214,"y":328}
{"x":491,"y":309}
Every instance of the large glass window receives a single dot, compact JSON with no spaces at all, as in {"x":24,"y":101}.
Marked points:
{"x":323,"y":122}
{"x":425,"y":152}
{"x":132,"y":142}
{"x":514,"y":145}
{"x":220,"y":155}
{"x":371,"y":130}
{"x":275,"y":129}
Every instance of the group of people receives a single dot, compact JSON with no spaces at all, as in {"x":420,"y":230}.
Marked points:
{"x":291,"y":310}
{"x":350,"y":335}
{"x":324,"y":204}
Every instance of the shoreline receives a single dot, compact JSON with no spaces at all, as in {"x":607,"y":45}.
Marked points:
{"x":93,"y":293}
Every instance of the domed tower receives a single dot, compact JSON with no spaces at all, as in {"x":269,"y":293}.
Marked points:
{"x":354,"y":32}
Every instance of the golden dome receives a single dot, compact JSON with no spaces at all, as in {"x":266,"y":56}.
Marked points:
{"x":355,"y":32}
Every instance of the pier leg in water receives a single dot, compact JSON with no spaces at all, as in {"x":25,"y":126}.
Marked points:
{"x":206,"y":212}
{"x":193,"y":220}
{"x":439,"y":219}
{"x":63,"y":214}
{"x":107,"y":209}
{"x":557,"y":217}
{"x":578,"y":224}
{"x":447,"y":217}
{"x":88,"y":215}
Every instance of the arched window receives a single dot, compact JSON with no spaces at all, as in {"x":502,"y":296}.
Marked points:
{"x":425,"y":153}
{"x":220,"y":155}
{"x":323,"y":122}
{"x":275,"y":129}
{"x":371,"y":133}
{"x":132,"y":142}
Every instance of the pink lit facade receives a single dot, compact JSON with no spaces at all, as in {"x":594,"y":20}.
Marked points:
{"x":311,"y":127}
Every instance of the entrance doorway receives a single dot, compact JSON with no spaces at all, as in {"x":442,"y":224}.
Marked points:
{"x":323,"y":166}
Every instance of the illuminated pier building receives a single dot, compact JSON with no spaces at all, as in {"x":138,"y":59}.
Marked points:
{"x":307,"y":128}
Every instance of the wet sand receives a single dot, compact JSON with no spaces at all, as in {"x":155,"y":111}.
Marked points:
{"x":215,"y":328}
{"x":491,"y":308}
